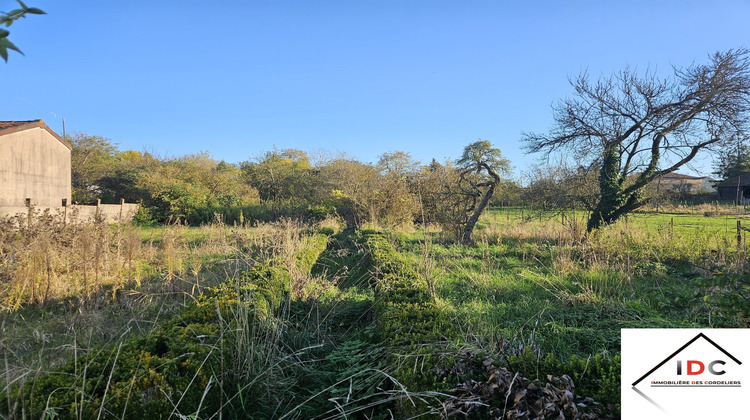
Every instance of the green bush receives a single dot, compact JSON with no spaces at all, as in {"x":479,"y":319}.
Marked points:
{"x":260,"y":212}
{"x":144,"y":216}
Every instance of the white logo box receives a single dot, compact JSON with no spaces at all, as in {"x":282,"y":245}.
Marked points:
{"x":685,"y":373}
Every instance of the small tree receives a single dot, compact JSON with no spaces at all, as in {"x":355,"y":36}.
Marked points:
{"x":436,"y":188}
{"x":455,"y":195}
{"x":92,"y":158}
{"x":352,"y":188}
{"x":479,"y":168}
{"x":398,"y":204}
{"x":637,"y":128}
{"x":280,"y":175}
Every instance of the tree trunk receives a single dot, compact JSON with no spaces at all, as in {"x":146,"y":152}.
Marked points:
{"x":469,"y":228}
{"x":616,"y":200}
{"x":610,"y":189}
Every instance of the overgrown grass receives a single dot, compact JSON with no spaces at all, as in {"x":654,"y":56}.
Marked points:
{"x":267,"y":339}
{"x":538,"y":291}
{"x":294,"y":321}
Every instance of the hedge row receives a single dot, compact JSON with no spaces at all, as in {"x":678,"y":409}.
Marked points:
{"x":187,"y":366}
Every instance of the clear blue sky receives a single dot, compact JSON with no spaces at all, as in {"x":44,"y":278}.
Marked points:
{"x":363,"y":77}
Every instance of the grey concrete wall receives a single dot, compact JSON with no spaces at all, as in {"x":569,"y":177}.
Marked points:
{"x":111,"y":213}
{"x":33,"y":164}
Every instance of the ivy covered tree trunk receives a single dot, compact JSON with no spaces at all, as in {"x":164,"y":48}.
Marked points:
{"x":615,"y":198}
{"x":610,"y":188}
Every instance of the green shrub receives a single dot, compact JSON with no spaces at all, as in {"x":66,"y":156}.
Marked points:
{"x":144,"y":216}
{"x":260,"y":212}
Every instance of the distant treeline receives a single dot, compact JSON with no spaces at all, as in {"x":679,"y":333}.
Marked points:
{"x":198,"y":189}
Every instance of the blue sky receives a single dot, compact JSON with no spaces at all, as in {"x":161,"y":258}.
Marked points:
{"x":362,"y":77}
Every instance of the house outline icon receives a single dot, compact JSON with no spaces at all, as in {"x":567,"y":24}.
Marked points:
{"x":684,"y":346}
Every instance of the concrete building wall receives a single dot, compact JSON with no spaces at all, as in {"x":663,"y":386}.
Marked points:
{"x":33,"y":164}
{"x":110,"y":213}
{"x":682,"y":184}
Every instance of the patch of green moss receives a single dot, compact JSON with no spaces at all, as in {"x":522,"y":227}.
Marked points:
{"x":409,"y":321}
{"x":597,"y":376}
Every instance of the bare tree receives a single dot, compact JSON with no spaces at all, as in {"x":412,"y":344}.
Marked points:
{"x":561,"y":186}
{"x":637,"y":128}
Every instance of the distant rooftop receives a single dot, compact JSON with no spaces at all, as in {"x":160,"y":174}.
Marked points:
{"x":681,"y":176}
{"x":9,"y":127}
{"x":8,"y":124}
{"x":742,"y":180}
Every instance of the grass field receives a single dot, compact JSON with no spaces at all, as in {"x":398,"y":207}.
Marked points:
{"x":318,"y":323}
{"x":529,"y":281}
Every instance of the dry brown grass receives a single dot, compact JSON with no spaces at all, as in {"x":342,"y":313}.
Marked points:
{"x":66,"y":289}
{"x":48,"y":260}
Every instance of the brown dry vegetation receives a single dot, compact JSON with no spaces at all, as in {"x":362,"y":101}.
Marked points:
{"x":64,"y":285}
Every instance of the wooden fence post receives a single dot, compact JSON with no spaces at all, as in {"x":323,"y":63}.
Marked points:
{"x":739,"y":234}
{"x":29,"y":213}
{"x":65,"y":211}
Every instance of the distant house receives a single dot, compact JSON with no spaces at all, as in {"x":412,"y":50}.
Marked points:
{"x":34,"y":165}
{"x":684,"y":185}
{"x":736,"y":188}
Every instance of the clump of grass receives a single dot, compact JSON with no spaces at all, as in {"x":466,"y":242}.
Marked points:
{"x":47,"y":258}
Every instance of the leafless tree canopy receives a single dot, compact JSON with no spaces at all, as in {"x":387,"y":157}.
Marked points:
{"x":638,"y":127}
{"x":644,"y":115}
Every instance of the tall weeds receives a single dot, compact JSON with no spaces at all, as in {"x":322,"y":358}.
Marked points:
{"x":237,"y":351}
